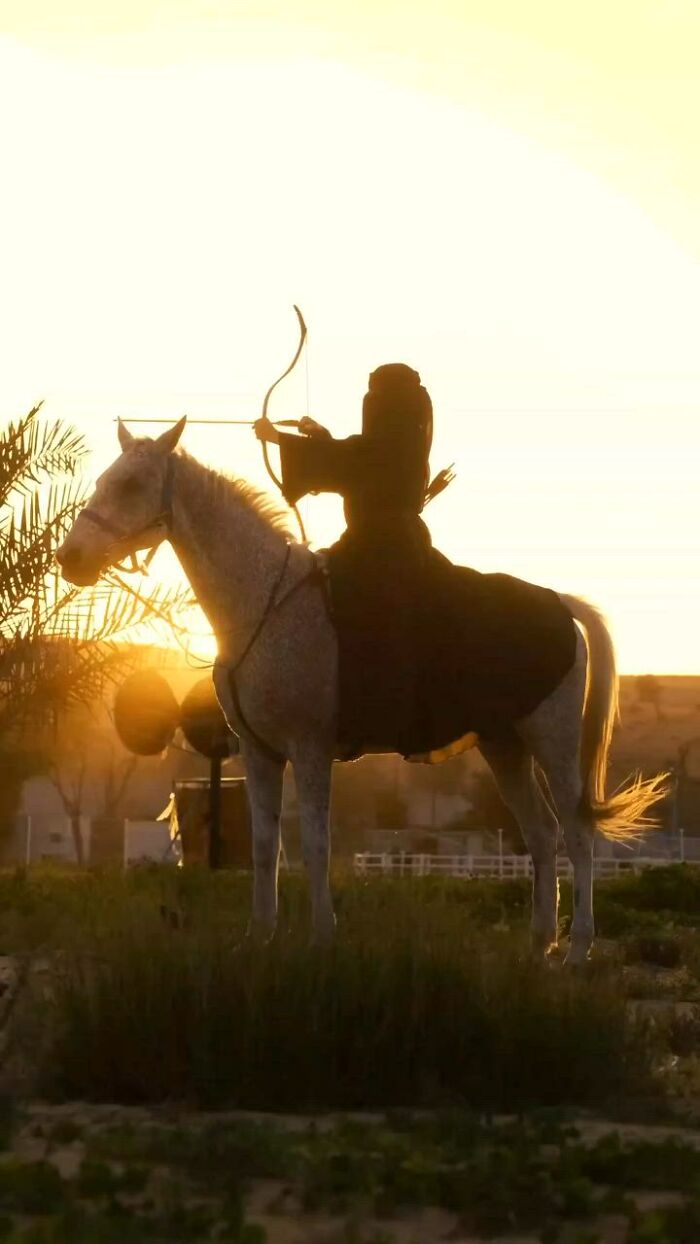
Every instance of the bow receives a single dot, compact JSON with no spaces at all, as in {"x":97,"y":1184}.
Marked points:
{"x":266,"y":402}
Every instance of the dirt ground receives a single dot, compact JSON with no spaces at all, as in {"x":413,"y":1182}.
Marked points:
{"x":63,"y":1136}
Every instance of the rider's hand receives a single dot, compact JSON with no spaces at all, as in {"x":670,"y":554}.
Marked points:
{"x":266,"y":431}
{"x":309,"y":427}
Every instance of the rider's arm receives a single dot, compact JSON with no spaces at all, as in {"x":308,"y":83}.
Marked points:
{"x":317,"y":464}
{"x":266,"y":431}
{"x":309,"y":427}
{"x":387,"y":469}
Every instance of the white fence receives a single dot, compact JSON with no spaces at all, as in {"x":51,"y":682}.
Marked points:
{"x":51,"y":840}
{"x":504,"y":867}
{"x":55,"y":841}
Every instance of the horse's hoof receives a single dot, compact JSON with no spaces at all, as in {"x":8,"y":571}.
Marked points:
{"x":578,"y":958}
{"x":259,"y":934}
{"x":542,"y":949}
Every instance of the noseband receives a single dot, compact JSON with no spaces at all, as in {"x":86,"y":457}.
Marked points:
{"x":163,"y":518}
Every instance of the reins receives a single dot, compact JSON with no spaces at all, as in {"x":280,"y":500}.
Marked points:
{"x":269,"y":607}
{"x":164,"y":518}
{"x":316,"y":572}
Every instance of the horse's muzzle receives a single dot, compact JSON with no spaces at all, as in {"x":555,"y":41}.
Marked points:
{"x":76,"y":568}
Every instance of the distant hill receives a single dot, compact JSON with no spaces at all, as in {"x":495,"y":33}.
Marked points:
{"x":660,"y":730}
{"x":660,"y":715}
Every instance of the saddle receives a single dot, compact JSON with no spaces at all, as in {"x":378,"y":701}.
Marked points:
{"x":473,"y":653}
{"x":367,"y":747}
{"x":434,"y":656}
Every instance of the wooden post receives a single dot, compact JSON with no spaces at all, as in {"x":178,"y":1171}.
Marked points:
{"x":215,"y":812}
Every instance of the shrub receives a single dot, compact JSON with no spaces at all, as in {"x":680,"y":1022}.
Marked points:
{"x":415,"y":1005}
{"x":657,"y":949}
{"x":672,"y":889}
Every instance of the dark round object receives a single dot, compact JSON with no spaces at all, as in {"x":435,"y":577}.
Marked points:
{"x":146,"y":713}
{"x":203,"y":723}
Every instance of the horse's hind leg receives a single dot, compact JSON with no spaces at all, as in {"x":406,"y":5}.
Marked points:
{"x":553,"y":734}
{"x":564,"y":782}
{"x":514,"y":772}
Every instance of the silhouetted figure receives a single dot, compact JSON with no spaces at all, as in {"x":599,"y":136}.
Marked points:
{"x":421,"y":641}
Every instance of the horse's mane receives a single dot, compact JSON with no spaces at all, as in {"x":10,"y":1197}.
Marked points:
{"x":205,"y":482}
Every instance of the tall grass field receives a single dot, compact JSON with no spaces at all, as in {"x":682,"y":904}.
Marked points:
{"x":143,"y":988}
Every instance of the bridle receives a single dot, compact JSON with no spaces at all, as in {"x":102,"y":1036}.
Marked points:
{"x":164,"y":518}
{"x":275,"y":601}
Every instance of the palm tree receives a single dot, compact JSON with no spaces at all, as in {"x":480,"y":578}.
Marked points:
{"x":60,"y":646}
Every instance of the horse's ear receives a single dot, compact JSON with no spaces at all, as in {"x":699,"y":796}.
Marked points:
{"x":167,"y":441}
{"x":126,"y":440}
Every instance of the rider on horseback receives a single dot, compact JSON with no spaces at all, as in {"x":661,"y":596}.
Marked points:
{"x":414,"y":631}
{"x":377,"y":567}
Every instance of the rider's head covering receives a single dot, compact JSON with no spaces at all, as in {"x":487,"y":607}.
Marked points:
{"x":396,"y":403}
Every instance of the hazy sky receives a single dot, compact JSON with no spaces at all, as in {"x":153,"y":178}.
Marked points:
{"x":504,"y":195}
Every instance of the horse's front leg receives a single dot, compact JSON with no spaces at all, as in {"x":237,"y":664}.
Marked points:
{"x":312,"y":776}
{"x":264,"y":779}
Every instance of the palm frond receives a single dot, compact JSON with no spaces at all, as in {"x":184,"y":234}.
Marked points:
{"x":27,"y":550}
{"x":59,"y":646}
{"x":34,"y":449}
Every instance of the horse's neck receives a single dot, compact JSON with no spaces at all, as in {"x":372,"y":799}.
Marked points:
{"x":229,"y":552}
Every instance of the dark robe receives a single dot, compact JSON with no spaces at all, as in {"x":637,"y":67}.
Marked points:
{"x":428,"y":651}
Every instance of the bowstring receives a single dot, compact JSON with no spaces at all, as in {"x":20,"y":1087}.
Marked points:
{"x":306,"y":395}
{"x":266,"y":402}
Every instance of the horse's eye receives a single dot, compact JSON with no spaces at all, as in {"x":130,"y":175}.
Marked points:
{"x":130,"y":487}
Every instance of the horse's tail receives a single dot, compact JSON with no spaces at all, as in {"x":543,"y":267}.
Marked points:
{"x":624,"y":814}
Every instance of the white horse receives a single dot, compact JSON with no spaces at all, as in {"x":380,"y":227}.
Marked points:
{"x":276,"y":679}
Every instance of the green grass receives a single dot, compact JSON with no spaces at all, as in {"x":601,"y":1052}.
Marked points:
{"x":535,"y":1174}
{"x":165,"y":1183}
{"x":428,"y":998}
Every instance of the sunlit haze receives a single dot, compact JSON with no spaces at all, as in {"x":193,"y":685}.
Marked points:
{"x":508,"y":204}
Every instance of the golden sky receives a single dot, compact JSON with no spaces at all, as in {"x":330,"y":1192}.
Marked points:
{"x":503,"y":194}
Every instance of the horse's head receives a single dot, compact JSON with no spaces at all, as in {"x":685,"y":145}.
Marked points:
{"x":129,"y":509}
